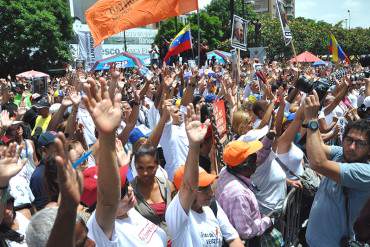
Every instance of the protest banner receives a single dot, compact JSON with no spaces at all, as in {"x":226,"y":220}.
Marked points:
{"x":219,"y":112}
{"x":284,"y":22}
{"x":108,"y":17}
{"x":86,"y":50}
{"x":239,"y":33}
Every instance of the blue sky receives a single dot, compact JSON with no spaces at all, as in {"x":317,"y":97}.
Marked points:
{"x":331,"y":11}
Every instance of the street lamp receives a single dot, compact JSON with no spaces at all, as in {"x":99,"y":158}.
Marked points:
{"x":349,"y":19}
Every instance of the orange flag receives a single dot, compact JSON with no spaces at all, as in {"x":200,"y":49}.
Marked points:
{"x":108,"y":17}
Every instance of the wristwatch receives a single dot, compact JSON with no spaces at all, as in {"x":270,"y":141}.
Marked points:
{"x":312,"y":125}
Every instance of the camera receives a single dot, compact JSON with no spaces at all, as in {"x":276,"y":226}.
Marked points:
{"x":321,"y":86}
{"x":360,"y":76}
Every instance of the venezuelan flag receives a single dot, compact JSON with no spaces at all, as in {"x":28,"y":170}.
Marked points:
{"x":180,"y":43}
{"x":337,"y":51}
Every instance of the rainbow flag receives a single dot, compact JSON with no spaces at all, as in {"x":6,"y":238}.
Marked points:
{"x":337,"y":51}
{"x":180,"y":43}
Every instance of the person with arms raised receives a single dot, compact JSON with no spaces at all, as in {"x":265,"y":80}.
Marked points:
{"x":190,"y":220}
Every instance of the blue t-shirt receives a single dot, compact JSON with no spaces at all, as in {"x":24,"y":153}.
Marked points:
{"x":327,"y":222}
{"x":37,"y":186}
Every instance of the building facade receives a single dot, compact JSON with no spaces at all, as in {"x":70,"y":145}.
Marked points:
{"x":268,"y":6}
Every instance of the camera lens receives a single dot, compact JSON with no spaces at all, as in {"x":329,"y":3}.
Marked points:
{"x":304,"y":84}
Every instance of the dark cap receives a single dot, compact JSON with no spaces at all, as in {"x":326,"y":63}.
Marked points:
{"x":42,"y":103}
{"x":47,"y":138}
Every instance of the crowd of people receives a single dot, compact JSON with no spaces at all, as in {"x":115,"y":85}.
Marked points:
{"x":116,"y":158}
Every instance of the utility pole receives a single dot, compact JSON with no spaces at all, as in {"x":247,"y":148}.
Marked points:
{"x":349,"y":20}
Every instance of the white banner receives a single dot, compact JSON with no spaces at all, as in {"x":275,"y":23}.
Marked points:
{"x":284,"y":22}
{"x":86,"y":50}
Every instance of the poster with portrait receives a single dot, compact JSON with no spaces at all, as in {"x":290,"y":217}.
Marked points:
{"x":239,"y":33}
{"x":287,"y":34}
{"x":40,"y":85}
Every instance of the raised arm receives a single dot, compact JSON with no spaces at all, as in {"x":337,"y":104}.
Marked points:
{"x":155,"y":136}
{"x":196,"y":132}
{"x":71,"y":122}
{"x":266,"y":118}
{"x":316,"y":150}
{"x":130,"y":125}
{"x":71,"y":185}
{"x":339,"y":97}
{"x":286,"y":139}
{"x":107,"y":116}
{"x":10,"y":165}
{"x":57,"y":118}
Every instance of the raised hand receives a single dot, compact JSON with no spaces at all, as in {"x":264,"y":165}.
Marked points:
{"x":5,"y":121}
{"x":70,"y":180}
{"x":311,"y":106}
{"x":195,"y":130}
{"x":123,"y":158}
{"x":10,"y":163}
{"x":75,"y":98}
{"x":105,"y":112}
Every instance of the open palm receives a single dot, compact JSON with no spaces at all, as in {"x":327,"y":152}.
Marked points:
{"x":70,"y":180}
{"x":195,"y":130}
{"x":105,"y":113}
{"x":10,"y":163}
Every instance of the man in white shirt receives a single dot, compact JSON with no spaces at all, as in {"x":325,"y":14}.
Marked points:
{"x":189,"y":217}
{"x":174,"y":142}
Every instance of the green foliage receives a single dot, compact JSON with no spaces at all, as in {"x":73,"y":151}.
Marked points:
{"x":308,"y":34}
{"x":35,"y":35}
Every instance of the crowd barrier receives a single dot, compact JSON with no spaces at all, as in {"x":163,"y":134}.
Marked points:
{"x":289,"y":222}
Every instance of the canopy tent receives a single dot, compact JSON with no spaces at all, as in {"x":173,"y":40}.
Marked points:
{"x":122,"y":60}
{"x":31,"y":74}
{"x":306,"y":57}
{"x":319,"y":63}
{"x":221,"y":56}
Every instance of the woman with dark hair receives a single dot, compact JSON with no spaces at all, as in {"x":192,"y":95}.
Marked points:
{"x":153,"y":193}
{"x":13,"y":226}
{"x":19,"y":184}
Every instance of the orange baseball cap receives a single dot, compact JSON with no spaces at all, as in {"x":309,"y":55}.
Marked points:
{"x":205,"y":178}
{"x":236,"y":152}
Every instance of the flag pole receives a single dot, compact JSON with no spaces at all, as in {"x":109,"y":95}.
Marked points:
{"x":295,"y":56}
{"x":198,"y":22}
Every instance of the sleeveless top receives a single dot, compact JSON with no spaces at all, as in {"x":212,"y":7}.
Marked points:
{"x":146,"y":210}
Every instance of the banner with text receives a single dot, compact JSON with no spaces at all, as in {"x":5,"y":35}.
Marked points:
{"x":284,"y":22}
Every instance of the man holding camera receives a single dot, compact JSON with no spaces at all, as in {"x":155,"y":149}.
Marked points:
{"x":345,"y":187}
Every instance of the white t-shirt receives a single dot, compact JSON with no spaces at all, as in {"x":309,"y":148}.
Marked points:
{"x":293,"y":160}
{"x":198,"y":230}
{"x":84,"y":117}
{"x":23,"y":224}
{"x":270,"y":180}
{"x":153,"y":117}
{"x":132,"y":231}
{"x":175,"y":144}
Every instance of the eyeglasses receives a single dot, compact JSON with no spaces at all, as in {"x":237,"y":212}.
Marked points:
{"x":359,"y":143}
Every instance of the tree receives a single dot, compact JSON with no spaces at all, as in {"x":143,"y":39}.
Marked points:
{"x":35,"y":35}
{"x":308,"y":35}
